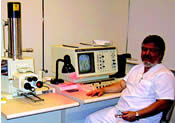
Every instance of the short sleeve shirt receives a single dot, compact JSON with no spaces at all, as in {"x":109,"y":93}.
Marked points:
{"x":142,"y":89}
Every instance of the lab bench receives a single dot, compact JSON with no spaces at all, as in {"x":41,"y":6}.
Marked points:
{"x":22,"y":110}
{"x":60,"y":107}
{"x":87,"y":105}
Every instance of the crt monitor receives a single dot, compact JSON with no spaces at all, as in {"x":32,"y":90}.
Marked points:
{"x":90,"y":63}
{"x":86,"y":63}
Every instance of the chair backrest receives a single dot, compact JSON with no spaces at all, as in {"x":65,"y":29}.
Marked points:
{"x":167,"y":114}
{"x":166,"y":117}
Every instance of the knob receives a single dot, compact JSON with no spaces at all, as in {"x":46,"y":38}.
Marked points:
{"x":27,"y":86}
{"x":34,"y":78}
{"x":39,"y":84}
{"x":29,"y":79}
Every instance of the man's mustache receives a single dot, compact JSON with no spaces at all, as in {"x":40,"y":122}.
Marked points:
{"x":147,"y":57}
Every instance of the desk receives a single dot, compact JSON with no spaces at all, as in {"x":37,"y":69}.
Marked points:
{"x":87,"y":106}
{"x":82,"y":98}
{"x":78,"y":114}
{"x":60,"y":107}
{"x":16,"y":110}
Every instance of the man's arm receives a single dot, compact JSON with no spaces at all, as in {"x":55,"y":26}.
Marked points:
{"x":116,"y":87}
{"x":153,"y":109}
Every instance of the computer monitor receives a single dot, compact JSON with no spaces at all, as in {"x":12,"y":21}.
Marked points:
{"x":86,"y":63}
{"x":90,"y":63}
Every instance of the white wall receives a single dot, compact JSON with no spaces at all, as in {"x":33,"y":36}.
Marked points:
{"x":152,"y":17}
{"x":71,"y":22}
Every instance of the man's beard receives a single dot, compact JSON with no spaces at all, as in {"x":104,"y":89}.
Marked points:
{"x":149,"y":65}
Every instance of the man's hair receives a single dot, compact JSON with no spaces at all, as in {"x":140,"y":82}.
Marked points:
{"x":158,"y":42}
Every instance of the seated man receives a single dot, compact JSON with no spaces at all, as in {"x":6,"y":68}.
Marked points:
{"x":146,"y":91}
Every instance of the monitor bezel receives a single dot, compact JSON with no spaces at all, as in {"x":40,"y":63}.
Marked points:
{"x":92,"y":63}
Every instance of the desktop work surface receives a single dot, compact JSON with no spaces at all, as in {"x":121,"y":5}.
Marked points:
{"x":60,"y":107}
{"x":82,"y":98}
{"x":20,"y":107}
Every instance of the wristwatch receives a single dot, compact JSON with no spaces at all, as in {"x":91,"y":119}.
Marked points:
{"x":137,"y":115}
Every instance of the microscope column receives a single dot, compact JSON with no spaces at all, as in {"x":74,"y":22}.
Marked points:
{"x":14,"y":30}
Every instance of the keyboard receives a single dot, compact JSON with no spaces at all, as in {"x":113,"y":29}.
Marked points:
{"x":97,"y":84}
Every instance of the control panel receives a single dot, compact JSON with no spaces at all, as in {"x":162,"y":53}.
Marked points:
{"x":26,"y":82}
{"x":106,"y":60}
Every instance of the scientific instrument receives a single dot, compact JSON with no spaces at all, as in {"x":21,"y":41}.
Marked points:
{"x":17,"y":72}
{"x":90,"y":63}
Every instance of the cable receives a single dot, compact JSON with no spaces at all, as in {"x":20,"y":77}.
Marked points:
{"x":46,"y":87}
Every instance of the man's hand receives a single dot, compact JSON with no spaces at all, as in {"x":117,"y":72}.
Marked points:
{"x":129,"y":115}
{"x":117,"y":87}
{"x":98,"y":92}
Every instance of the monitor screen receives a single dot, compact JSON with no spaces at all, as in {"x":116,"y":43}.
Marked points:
{"x":86,"y":63}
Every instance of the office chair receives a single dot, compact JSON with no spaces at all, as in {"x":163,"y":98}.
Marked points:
{"x":166,"y":117}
